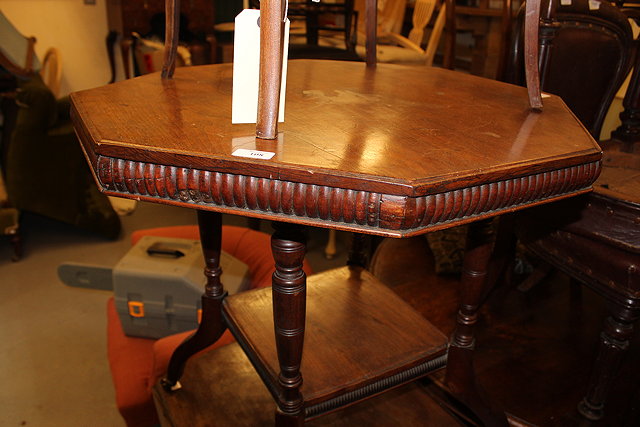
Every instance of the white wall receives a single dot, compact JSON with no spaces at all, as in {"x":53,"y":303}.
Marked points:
{"x":77,"y":30}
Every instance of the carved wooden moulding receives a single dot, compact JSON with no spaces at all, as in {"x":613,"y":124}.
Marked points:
{"x":370,"y":212}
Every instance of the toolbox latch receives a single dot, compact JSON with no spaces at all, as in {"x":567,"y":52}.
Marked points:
{"x":136,"y":308}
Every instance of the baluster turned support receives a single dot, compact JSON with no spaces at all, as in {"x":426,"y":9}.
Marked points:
{"x":271,"y":46}
{"x":172,"y":29}
{"x":289,"y":312}
{"x":460,"y":377}
{"x":614,"y":343}
{"x":629,"y":130}
{"x":360,"y":250}
{"x":212,"y":325}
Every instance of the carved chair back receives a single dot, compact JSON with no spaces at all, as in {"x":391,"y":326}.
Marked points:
{"x":586,"y":51}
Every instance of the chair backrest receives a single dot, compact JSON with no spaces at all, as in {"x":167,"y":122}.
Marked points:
{"x":586,"y":48}
{"x":16,"y":51}
{"x":422,"y":13}
{"x":390,"y":15}
{"x":51,"y":70}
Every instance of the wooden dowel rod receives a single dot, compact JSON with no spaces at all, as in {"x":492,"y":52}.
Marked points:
{"x":172,"y":29}
{"x":371,"y":24}
{"x":271,"y":45}
{"x":531,"y":52}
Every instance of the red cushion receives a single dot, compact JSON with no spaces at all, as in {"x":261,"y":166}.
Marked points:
{"x":137,"y":363}
{"x":129,"y":361}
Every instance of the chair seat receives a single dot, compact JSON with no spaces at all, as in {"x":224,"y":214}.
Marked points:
{"x":600,"y":246}
{"x":395,"y":55}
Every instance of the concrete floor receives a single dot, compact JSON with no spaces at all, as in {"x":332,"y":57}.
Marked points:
{"x":53,"y":362}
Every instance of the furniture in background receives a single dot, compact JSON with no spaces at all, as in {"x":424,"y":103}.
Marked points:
{"x":390,"y":17}
{"x":51,"y":70}
{"x":46,"y":172}
{"x":489,"y":24}
{"x":398,"y":49}
{"x":9,"y":222}
{"x":333,"y":17}
{"x":593,"y":238}
{"x":42,"y":167}
{"x":138,"y":363}
{"x":325,"y":30}
{"x":145,"y":17}
{"x":17,"y":54}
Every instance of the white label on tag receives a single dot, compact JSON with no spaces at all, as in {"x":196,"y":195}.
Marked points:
{"x":253,"y":154}
{"x":594,"y":4}
{"x":246,"y":68}
{"x":565,"y":2}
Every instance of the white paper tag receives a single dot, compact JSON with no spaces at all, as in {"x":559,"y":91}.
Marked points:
{"x":253,"y":154}
{"x":594,"y":5}
{"x":565,"y":2}
{"x":246,"y":68}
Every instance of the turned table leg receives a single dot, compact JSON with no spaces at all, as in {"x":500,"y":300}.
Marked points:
{"x":460,"y":377}
{"x":614,"y":342}
{"x":212,"y":325}
{"x":289,"y":309}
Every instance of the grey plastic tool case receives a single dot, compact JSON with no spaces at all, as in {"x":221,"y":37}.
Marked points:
{"x":159,"y":282}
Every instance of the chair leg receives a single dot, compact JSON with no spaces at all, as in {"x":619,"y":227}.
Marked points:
{"x":614,"y":342}
{"x":330,"y":249}
{"x":16,"y":242}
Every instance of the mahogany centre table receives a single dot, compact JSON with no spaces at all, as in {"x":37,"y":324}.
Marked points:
{"x":394,"y":151}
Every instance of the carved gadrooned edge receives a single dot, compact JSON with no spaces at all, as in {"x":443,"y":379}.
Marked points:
{"x":368,"y":210}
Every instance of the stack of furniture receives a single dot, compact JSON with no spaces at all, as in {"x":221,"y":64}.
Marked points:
{"x":359,"y":151}
{"x":596,"y":238}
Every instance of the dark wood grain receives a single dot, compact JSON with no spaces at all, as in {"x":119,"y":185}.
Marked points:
{"x":289,"y":295}
{"x":534,"y":349}
{"x":271,"y":48}
{"x":235,"y":396}
{"x":416,"y":160}
{"x":445,"y":130}
{"x":347,"y":344}
{"x":531,"y":53}
{"x":211,"y":327}
{"x":371,"y":24}
{"x":338,"y":208}
{"x":172,"y":29}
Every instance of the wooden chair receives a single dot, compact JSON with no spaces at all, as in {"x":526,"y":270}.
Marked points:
{"x":51,"y":70}
{"x":490,"y":27}
{"x":390,"y":17}
{"x":395,"y":48}
{"x":586,"y":54}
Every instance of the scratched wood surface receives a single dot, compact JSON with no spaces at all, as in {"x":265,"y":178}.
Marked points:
{"x":347,"y":345}
{"x":398,"y":130}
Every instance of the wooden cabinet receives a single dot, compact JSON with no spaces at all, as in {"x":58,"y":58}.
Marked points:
{"x":126,"y":16}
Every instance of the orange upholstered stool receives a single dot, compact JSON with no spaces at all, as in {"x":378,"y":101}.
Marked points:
{"x":138,"y":363}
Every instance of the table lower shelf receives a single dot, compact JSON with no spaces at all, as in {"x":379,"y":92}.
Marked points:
{"x":222,"y":388}
{"x":360,"y":339}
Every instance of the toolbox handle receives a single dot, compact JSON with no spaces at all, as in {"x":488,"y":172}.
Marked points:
{"x":160,"y":249}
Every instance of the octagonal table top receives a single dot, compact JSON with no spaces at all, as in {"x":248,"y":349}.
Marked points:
{"x":391,"y":141}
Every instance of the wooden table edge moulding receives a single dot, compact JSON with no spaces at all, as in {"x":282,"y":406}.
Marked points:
{"x":389,"y":150}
